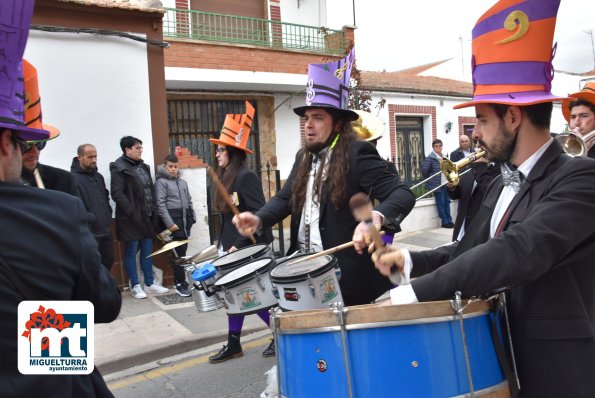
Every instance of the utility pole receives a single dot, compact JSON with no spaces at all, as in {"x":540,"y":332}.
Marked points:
{"x":590,"y":33}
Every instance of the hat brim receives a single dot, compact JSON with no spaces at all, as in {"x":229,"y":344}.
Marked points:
{"x":516,"y":99}
{"x":350,"y":115}
{"x":26,"y":133}
{"x":582,"y":95}
{"x":219,"y":142}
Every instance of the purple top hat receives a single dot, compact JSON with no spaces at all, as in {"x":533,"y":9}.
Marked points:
{"x":328,"y":87}
{"x":513,"y":53}
{"x":15,"y":20}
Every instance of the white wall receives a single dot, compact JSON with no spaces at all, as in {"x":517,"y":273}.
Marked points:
{"x":309,"y":12}
{"x":94,"y":89}
{"x":287,"y":128}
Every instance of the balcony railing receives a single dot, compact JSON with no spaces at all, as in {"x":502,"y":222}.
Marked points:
{"x":197,"y":25}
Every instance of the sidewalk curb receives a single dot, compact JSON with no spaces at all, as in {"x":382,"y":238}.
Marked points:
{"x":171,"y":347}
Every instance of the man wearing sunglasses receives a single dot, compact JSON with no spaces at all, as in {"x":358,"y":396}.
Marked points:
{"x":43,"y":176}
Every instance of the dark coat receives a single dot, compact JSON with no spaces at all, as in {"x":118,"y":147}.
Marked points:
{"x":360,"y":282}
{"x":91,"y":189}
{"x":46,"y":241}
{"x":457,"y":155}
{"x":470,"y":199}
{"x":429,"y":167}
{"x":545,"y":256}
{"x":132,"y":219}
{"x":53,"y":178}
{"x":246,"y":191}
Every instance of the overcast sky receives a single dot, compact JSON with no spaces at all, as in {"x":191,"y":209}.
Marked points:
{"x":398,"y":34}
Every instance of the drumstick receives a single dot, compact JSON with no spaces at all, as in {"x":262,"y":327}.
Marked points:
{"x":225,"y":195}
{"x":322,"y":253}
{"x":361,"y":207}
{"x":332,"y":250}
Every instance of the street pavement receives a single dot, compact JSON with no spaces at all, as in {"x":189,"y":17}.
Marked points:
{"x":167,"y":325}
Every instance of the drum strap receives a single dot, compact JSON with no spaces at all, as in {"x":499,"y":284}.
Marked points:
{"x":511,"y":377}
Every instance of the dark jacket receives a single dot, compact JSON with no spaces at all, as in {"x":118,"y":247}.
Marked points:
{"x":53,"y":178}
{"x":360,"y":282}
{"x":247,"y":195}
{"x":545,"y":256}
{"x":91,"y":189}
{"x":46,"y":241}
{"x":134,"y":219}
{"x":470,"y":199}
{"x":429,"y":167}
{"x":173,"y":202}
{"x":457,"y":155}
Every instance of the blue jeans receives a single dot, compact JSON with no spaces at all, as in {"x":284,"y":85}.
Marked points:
{"x":443,"y":206}
{"x":146,"y":264}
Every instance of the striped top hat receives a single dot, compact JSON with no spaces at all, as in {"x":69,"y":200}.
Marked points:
{"x":236,"y":130}
{"x":587,"y":94}
{"x":512,"y":53}
{"x":15,"y":20}
{"x":328,"y":87}
{"x":33,"y":118}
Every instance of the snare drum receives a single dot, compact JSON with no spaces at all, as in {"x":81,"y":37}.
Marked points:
{"x":310,"y":284}
{"x":235,"y":259}
{"x":247,"y":289}
{"x":415,"y":350}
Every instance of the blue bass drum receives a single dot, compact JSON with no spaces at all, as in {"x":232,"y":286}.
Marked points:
{"x":415,"y":350}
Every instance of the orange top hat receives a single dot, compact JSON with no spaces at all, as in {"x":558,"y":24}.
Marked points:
{"x":587,"y":94}
{"x":33,"y":118}
{"x":236,"y":130}
{"x":512,"y":53}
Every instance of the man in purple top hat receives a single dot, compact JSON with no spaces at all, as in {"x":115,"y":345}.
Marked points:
{"x":47,"y":251}
{"x":533,"y":239}
{"x":332,"y":166}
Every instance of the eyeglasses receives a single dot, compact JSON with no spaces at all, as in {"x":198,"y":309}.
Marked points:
{"x":437,"y":145}
{"x":39,"y":145}
{"x":22,"y":144}
{"x":220,"y":150}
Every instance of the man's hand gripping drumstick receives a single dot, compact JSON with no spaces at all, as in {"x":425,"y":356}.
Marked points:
{"x":246,"y":223}
{"x":387,"y":260}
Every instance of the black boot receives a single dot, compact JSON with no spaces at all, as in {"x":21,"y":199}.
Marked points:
{"x":270,"y":351}
{"x":233,"y":349}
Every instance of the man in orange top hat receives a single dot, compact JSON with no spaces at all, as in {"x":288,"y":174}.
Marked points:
{"x":579,"y":112}
{"x":534,"y":237}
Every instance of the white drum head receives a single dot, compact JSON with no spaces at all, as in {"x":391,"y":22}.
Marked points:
{"x":295,"y":271}
{"x":243,"y":271}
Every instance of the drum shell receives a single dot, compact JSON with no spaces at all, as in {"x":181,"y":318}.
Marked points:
{"x":204,"y":302}
{"x":250,"y":292}
{"x":311,"y":290}
{"x":412,"y":350}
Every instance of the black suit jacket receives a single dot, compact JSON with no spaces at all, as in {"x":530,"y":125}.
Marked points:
{"x":457,"y":155}
{"x":248,"y":192}
{"x":360,"y":282}
{"x":53,"y":178}
{"x":545,"y":256}
{"x":46,"y":240}
{"x":470,"y":199}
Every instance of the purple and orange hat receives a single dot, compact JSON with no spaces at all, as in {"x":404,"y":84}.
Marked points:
{"x":328,"y":87}
{"x":236,"y":130}
{"x":512,"y":53}
{"x":15,"y":20}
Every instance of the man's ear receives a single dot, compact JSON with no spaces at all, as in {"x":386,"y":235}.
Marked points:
{"x":5,"y":142}
{"x":339,"y":126}
{"x":514,"y":117}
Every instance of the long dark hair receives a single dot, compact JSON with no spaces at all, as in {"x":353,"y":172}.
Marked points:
{"x":237,"y":160}
{"x":336,"y":178}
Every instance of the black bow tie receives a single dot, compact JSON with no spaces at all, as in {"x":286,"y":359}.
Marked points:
{"x":511,"y":176}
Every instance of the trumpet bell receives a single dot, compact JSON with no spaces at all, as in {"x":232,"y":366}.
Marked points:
{"x":574,"y":144}
{"x":368,"y":127}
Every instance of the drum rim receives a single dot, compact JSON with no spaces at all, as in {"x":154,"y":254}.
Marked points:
{"x":242,"y":279}
{"x":243,"y":261}
{"x":302,"y":277}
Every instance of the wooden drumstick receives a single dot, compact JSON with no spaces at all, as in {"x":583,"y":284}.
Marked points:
{"x":362,"y":208}
{"x":322,"y":253}
{"x":226,"y":197}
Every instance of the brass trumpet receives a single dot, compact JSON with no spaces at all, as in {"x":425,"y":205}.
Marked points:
{"x":575,"y":144}
{"x":452,"y":171}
